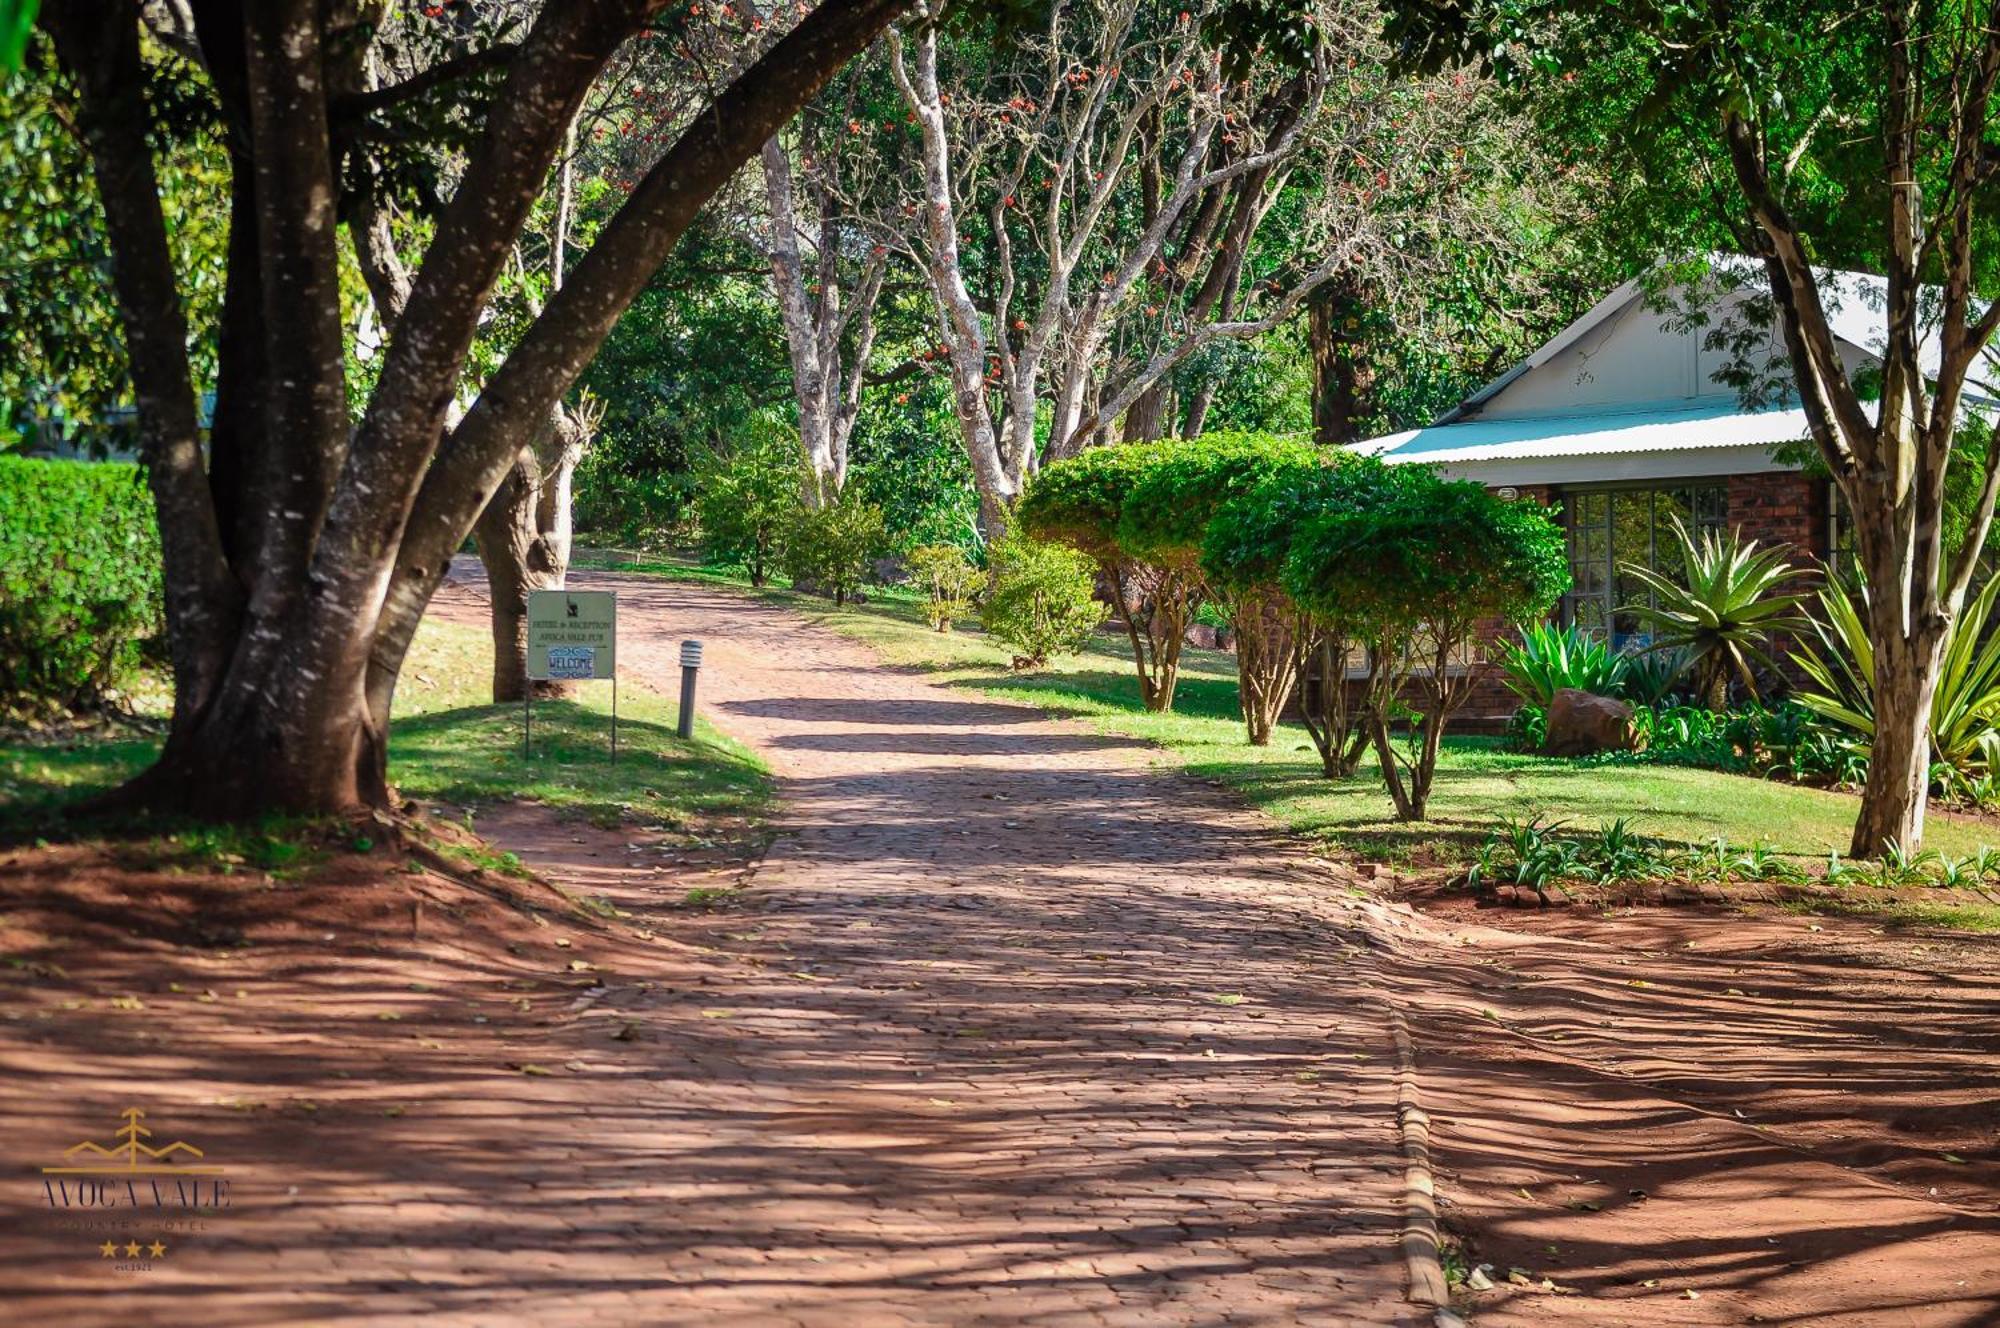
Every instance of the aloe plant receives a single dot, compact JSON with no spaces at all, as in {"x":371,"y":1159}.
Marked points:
{"x":1725,"y":614}
{"x":1549,"y":658}
{"x":1651,"y":675}
{"x":1839,"y":659}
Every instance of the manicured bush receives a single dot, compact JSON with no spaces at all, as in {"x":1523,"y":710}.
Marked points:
{"x":744,"y":499}
{"x":1165,"y":521}
{"x":826,"y":549}
{"x":1166,"y":513}
{"x":1044,"y":598}
{"x":1415,"y":565}
{"x":949,"y":580}
{"x":79,"y":579}
{"x":1080,"y":503}
{"x":1243,"y":555}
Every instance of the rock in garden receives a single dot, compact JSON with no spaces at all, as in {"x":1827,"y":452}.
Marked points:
{"x":1581,"y":723}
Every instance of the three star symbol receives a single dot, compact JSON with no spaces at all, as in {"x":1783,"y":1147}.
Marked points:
{"x":109,"y":1249}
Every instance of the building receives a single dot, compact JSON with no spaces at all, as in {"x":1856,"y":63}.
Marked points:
{"x":1636,"y":414}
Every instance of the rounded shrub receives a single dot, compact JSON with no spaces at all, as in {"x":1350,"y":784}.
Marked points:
{"x":1043,"y":602}
{"x":826,"y":549}
{"x":79,"y":579}
{"x":1166,"y":515}
{"x":1078,"y":502}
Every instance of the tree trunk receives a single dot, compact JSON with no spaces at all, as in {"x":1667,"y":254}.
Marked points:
{"x":1337,"y":726}
{"x":523,"y":538}
{"x":1146,"y":418}
{"x":1266,"y":663}
{"x":1343,"y":375}
{"x":283,"y":694}
{"x":1894,"y":799}
{"x":1197,"y":408}
{"x":259,"y":749}
{"x":1155,"y":605}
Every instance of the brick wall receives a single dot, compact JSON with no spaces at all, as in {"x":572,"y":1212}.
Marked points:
{"x":1785,"y":507}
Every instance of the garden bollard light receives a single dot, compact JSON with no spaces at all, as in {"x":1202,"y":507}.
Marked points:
{"x":690,"y":667}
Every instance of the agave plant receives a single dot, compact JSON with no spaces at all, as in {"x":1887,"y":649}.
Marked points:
{"x":1965,"y":710}
{"x":1724,"y":616}
{"x":1651,"y":675}
{"x":1549,"y":658}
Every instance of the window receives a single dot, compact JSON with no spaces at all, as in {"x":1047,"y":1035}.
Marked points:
{"x":1610,"y":527}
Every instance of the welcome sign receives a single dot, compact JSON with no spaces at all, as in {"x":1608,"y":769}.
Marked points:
{"x":572,"y":634}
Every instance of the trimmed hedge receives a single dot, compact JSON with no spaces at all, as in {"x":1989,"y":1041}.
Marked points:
{"x":79,"y":579}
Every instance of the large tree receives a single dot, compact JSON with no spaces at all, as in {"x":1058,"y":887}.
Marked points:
{"x":1813,"y":135}
{"x":1105,"y":204}
{"x":301,"y":551}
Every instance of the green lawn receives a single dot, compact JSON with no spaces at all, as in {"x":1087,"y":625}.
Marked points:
{"x":1477,"y":782}
{"x":448,"y":745}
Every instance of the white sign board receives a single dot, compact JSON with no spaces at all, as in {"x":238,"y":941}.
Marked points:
{"x":572,"y":634}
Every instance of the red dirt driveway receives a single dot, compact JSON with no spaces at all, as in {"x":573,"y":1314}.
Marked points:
{"x":1010,"y":1027}
{"x":1014,"y":1025}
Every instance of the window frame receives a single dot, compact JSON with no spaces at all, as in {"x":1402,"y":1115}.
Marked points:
{"x":1575,"y":532}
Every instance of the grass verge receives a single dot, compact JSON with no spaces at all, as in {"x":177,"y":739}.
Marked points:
{"x":1477,"y":782}
{"x":450,"y":747}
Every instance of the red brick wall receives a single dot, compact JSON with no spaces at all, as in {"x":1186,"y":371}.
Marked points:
{"x":1784,"y":507}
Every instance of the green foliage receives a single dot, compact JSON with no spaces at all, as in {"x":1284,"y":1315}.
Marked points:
{"x":1044,"y":597}
{"x":687,"y":372}
{"x":1723,"y":609}
{"x":1533,"y":852}
{"x":1965,"y":712}
{"x":827,"y":549}
{"x":64,"y":371}
{"x":949,"y":580}
{"x":1250,"y":538}
{"x":1080,"y":501}
{"x":1410,"y":566}
{"x":1527,"y":729}
{"x":1651,"y":675}
{"x":909,"y":463}
{"x":1165,"y":516}
{"x":17,"y":19}
{"x":1549,"y":658}
{"x":79,"y":579}
{"x":1424,"y":553}
{"x":746,"y":497}
{"x":1784,"y":741}
{"x":1262,"y":385}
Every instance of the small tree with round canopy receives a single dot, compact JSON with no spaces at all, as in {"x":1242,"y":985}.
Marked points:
{"x":1418,"y":567}
{"x":1080,"y":503}
{"x":1164,"y":523}
{"x":1243,"y":556}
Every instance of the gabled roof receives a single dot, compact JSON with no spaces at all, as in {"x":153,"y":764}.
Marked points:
{"x":1675,"y":406}
{"x":1655,"y":427}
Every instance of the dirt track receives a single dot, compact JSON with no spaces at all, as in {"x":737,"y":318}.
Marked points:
{"x":1014,"y":1025}
{"x":1781,"y":1092}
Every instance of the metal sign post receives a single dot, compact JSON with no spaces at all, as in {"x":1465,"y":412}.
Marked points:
{"x":572,"y":636}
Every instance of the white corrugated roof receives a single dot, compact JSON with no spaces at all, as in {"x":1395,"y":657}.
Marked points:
{"x":1662,"y":427}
